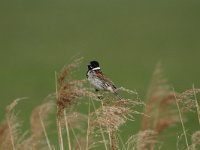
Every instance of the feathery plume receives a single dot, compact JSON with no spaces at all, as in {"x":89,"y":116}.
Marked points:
{"x":195,"y":140}
{"x":142,"y":140}
{"x":9,"y":129}
{"x":161,"y":104}
{"x":69,"y":90}
{"x":187,"y":99}
{"x":40,"y":113}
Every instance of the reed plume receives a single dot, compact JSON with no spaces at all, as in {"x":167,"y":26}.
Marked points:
{"x":112,"y":114}
{"x":68,"y":91}
{"x":101,"y":126}
{"x":161,"y":105}
{"x":140,"y":140}
{"x":39,"y":117}
{"x":161,"y":112}
{"x":9,"y":128}
{"x":195,"y":138}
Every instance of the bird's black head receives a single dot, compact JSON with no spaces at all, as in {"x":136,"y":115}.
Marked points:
{"x":93,"y":65}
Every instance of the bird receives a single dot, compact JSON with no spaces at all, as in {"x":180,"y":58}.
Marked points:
{"x":98,"y":80}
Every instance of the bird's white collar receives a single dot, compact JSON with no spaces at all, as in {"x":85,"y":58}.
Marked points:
{"x":97,"y":68}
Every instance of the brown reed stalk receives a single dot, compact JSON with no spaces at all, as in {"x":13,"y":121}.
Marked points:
{"x":181,"y":119}
{"x":45,"y":132}
{"x":100,"y":127}
{"x":76,"y":139}
{"x":58,"y":121}
{"x":73,"y":121}
{"x":122,"y":143}
{"x":88,"y":126}
{"x":67,"y":130}
{"x":60,"y":135}
{"x":114,"y":141}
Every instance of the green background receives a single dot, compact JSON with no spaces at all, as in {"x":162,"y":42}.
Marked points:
{"x":128,"y":37}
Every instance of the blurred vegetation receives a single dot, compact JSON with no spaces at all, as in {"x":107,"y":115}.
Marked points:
{"x":128,"y":37}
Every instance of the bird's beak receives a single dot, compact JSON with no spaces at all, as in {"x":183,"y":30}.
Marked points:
{"x":89,"y":67}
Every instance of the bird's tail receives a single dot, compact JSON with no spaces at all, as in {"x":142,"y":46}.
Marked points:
{"x":117,"y":95}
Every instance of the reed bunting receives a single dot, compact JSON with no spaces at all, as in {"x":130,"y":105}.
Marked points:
{"x":97,"y":78}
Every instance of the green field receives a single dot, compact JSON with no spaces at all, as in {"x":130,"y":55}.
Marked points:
{"x":127,"y":37}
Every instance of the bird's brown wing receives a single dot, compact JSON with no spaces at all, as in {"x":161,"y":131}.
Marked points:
{"x":100,"y":75}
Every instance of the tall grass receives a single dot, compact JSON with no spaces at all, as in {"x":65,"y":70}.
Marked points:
{"x":100,"y":126}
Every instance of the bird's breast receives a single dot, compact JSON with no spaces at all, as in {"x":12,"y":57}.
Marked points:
{"x":94,"y":80}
